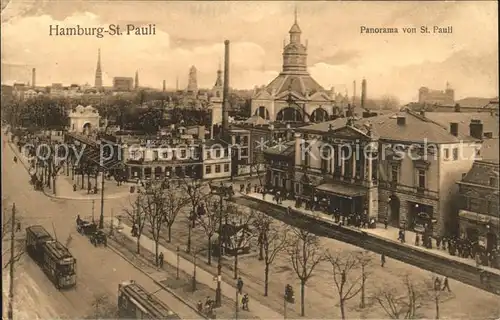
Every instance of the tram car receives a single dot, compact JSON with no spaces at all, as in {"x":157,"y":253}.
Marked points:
{"x":53,"y":257}
{"x":134,"y":302}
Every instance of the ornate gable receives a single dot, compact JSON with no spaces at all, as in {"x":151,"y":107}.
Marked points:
{"x":319,"y":96}
{"x":286,"y":94}
{"x":263,"y":94}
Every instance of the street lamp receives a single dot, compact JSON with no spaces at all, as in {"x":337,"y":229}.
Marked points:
{"x":101,"y":218}
{"x":221,"y":191}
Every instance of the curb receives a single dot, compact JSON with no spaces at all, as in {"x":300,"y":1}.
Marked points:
{"x":47,"y":194}
{"x":156,"y":281}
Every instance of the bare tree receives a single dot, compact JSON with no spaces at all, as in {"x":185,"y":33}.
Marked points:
{"x":155,"y":212}
{"x":194,"y":190}
{"x":305,"y":254}
{"x":137,"y":216}
{"x":209,"y":221}
{"x":389,"y":102}
{"x":365,"y":259}
{"x":436,"y":294}
{"x":174,"y":202}
{"x":273,"y":240}
{"x":240,"y":222}
{"x":396,"y":304}
{"x":348,"y":285}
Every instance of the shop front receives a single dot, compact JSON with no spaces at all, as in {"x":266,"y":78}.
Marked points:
{"x":342,"y":199}
{"x":481,"y":229}
{"x":420,"y":218}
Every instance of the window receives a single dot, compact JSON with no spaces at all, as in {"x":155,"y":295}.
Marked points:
{"x":324,"y":165}
{"x":208,"y":155}
{"x":394,"y":174}
{"x":155,"y":155}
{"x":217,"y":153}
{"x":165,"y":155}
{"x":183,"y":153}
{"x":208,"y":169}
{"x":488,"y":135}
{"x":226,"y":167}
{"x":306,"y":155}
{"x":455,"y":153}
{"x":244,"y":152}
{"x":475,"y":204}
{"x":245,"y":140}
{"x":493,"y":182}
{"x":446,"y":154}
{"x":421,"y":179}
{"x":217,"y":168}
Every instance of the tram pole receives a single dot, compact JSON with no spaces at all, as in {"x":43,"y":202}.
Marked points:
{"x":101,"y":218}
{"x":10,"y":311}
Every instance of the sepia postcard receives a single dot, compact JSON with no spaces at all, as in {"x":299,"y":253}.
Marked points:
{"x":250,"y":159}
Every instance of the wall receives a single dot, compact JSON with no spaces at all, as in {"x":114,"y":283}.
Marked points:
{"x":211,"y":160}
{"x":162,"y":153}
{"x":450,"y":172}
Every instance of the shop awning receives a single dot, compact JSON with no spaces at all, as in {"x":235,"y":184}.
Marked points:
{"x":341,"y":190}
{"x":478,"y":217}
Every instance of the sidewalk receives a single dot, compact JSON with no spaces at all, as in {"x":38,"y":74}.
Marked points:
{"x":203,"y":277}
{"x":64,"y":188}
{"x":389,"y":234}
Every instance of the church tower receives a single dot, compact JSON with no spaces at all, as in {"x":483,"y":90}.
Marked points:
{"x":192,"y":87}
{"x":98,"y":71}
{"x":216,"y":102}
{"x":136,"y":82}
{"x":295,"y":53}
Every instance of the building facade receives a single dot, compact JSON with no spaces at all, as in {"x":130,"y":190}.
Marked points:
{"x":294,"y":96}
{"x":401,"y":167}
{"x":84,"y":120}
{"x":123,"y":83}
{"x":479,"y":217}
{"x":428,"y":96}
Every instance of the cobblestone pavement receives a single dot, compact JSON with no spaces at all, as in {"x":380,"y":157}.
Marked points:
{"x":99,"y":270}
{"x":321,"y":298}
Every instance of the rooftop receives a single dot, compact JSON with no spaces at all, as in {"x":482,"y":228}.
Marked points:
{"x":386,"y":127}
{"x":481,"y":172}
{"x":490,"y":122}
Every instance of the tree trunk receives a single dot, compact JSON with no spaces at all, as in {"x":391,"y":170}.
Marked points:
{"x":362,"y":305}
{"x":437,"y":307}
{"x":138,"y":249}
{"x":156,"y":252}
{"x":54,"y":184}
{"x":342,"y":309}
{"x":302,"y":298}
{"x":266,"y":279}
{"x":169,"y":232}
{"x":236,"y":263}
{"x":83,"y":180}
{"x":261,"y":250}
{"x":210,"y":250}
{"x":188,"y":248}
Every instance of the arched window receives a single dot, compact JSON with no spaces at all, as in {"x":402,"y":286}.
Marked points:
{"x":289,"y":114}
{"x":262,"y":112}
{"x":319,"y":115}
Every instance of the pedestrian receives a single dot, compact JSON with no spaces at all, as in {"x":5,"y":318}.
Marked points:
{"x":244,"y":302}
{"x":160,"y":259}
{"x":417,"y":240}
{"x":437,"y":284}
{"x":446,"y":285}
{"x":18,"y":226}
{"x":240,"y":285}
{"x":382,"y":260}
{"x":199,"y":306}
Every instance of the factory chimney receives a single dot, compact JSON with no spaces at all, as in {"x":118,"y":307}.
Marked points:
{"x":164,"y":85}
{"x":363,"y":93}
{"x":354,"y":92}
{"x":225,"y":92}
{"x":33,"y":77}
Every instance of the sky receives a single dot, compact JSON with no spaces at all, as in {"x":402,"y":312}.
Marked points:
{"x":192,"y":33}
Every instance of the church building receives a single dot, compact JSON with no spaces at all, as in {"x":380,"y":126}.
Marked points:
{"x":294,"y":96}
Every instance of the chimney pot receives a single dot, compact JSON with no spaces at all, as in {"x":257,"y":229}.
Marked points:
{"x":401,"y":120}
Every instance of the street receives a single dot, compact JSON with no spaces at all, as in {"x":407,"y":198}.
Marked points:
{"x":99,"y":270}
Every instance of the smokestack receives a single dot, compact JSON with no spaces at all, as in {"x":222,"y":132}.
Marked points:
{"x":164,"y":85}
{"x":363,"y":93}
{"x":33,"y":77}
{"x":225,"y":92}
{"x":354,"y":92}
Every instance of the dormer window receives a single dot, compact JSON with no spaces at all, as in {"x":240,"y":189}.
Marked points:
{"x":493,"y":182}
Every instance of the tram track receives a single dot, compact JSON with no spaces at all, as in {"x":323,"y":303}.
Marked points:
{"x":456,"y":270}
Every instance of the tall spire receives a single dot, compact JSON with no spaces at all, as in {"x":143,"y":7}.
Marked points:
{"x":295,"y":13}
{"x":136,"y":82}
{"x":98,"y":71}
{"x":295,"y":53}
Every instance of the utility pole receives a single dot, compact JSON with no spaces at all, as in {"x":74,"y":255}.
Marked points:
{"x":10,"y":312}
{"x":101,"y":218}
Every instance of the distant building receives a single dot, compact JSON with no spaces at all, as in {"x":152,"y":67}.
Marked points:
{"x":428,"y":96}
{"x":294,"y":96}
{"x":123,"y":83}
{"x":192,"y":87}
{"x":98,"y":71}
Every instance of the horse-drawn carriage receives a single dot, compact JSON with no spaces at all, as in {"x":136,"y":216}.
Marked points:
{"x":89,"y":229}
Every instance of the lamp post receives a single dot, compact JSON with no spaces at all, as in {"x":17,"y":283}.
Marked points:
{"x":237,"y":304}
{"x":177,"y":276}
{"x":221,"y":191}
{"x":101,"y":218}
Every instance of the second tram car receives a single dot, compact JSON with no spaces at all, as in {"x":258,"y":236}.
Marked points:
{"x":52,"y":256}
{"x":134,"y":302}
